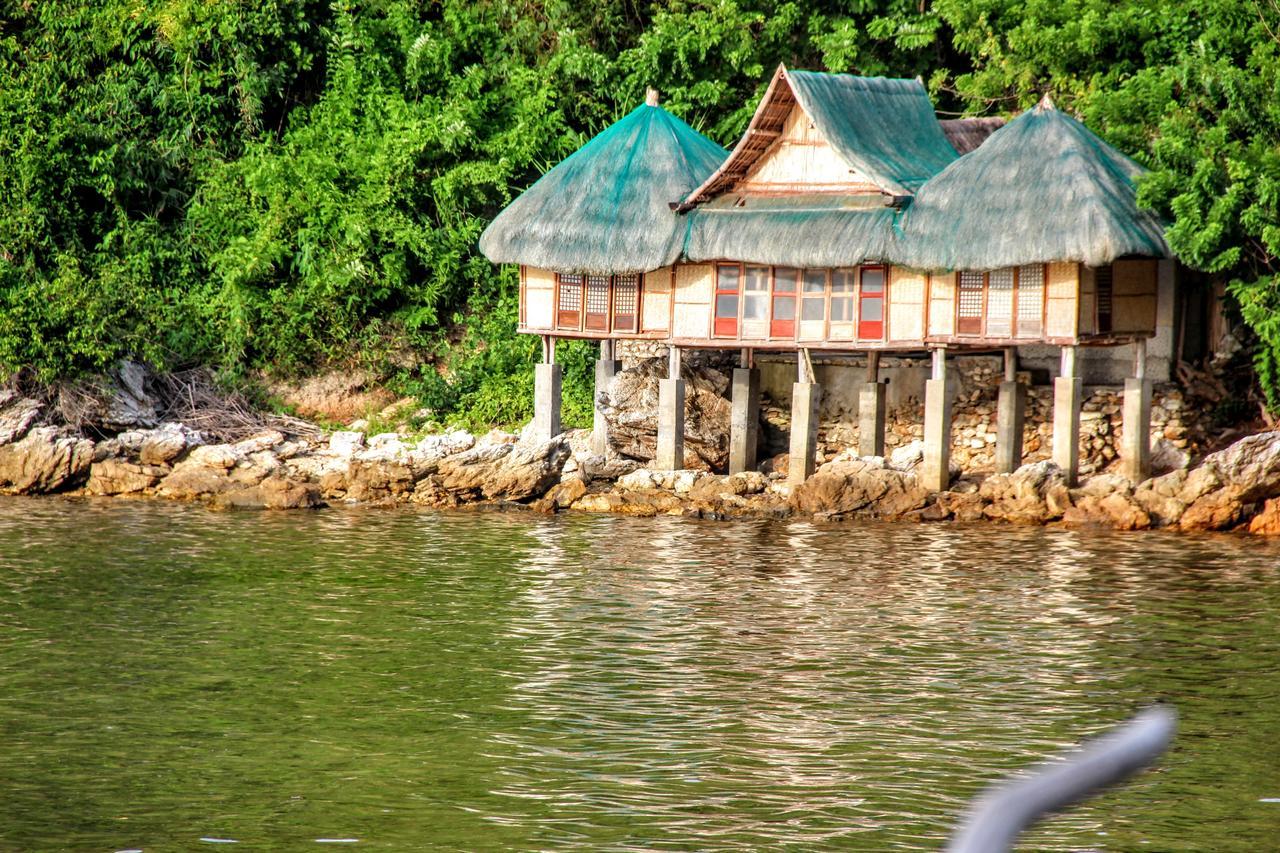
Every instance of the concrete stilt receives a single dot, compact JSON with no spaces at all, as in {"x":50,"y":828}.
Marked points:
{"x":744,"y":420}
{"x":1135,"y":434}
{"x":670,"y":455}
{"x":606,"y":367}
{"x":806,"y":394}
{"x":871,"y":410}
{"x":935,"y":471}
{"x":1010,"y":408}
{"x":1068,"y":394}
{"x":546,"y":394}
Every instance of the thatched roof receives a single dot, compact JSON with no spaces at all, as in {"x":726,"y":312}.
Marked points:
{"x":606,"y":207}
{"x":801,"y":231}
{"x":966,"y":134}
{"x":1042,"y":188}
{"x":882,"y":127}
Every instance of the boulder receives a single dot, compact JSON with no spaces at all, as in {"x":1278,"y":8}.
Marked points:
{"x":346,"y":443}
{"x":859,"y":486}
{"x":1267,"y":522}
{"x":513,"y":472}
{"x":1251,"y":466}
{"x":1034,"y":494}
{"x":164,"y":445}
{"x":630,"y":407}
{"x":16,"y":417}
{"x":120,"y":477}
{"x":46,"y":459}
{"x":273,"y":493}
{"x":123,"y":404}
{"x":193,"y":482}
{"x":561,"y":496}
{"x":1117,"y":510}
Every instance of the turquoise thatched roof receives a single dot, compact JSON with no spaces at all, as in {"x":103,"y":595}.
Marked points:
{"x":606,"y":207}
{"x":800,"y":231}
{"x":1041,"y":188}
{"x":883,"y":127}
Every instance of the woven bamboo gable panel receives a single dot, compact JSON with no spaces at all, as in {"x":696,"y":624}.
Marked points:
{"x":942,"y":304}
{"x":802,"y":159}
{"x":906,"y":305}
{"x":655,"y":310}
{"x":1134,"y":296}
{"x":539,"y":298}
{"x":1061,"y":299}
{"x":695,"y":284}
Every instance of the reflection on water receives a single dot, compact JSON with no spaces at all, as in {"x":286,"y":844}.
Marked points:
{"x":175,"y":678}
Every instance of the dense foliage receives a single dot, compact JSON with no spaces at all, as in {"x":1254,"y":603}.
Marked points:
{"x":286,"y":184}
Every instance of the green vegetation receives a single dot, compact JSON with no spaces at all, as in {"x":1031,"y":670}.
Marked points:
{"x":284,"y":184}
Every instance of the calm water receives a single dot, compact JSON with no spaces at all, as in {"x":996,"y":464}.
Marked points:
{"x":512,"y":682}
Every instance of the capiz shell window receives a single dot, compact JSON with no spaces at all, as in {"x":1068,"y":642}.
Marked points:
{"x":599,"y":304}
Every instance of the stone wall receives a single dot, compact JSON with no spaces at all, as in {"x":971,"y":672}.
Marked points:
{"x":1174,"y":431}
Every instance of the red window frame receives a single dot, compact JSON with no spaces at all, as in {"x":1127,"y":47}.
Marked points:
{"x":783,"y":327}
{"x":726,"y":326}
{"x":872,"y":330}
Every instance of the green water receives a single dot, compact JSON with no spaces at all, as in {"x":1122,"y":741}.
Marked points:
{"x":417,"y":681}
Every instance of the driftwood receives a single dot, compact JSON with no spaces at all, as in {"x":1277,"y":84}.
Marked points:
{"x":192,"y":397}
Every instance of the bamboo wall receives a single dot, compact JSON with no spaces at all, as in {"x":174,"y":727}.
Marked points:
{"x":1060,"y":311}
{"x":942,"y":304}
{"x":906,"y":305}
{"x":1133,"y":304}
{"x":655,"y":309}
{"x":539,"y":298}
{"x":695,"y":288}
{"x":802,"y":160}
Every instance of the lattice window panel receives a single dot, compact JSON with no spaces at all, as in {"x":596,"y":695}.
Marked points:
{"x":1000,"y":303}
{"x":1030,"y":301}
{"x":969,"y":303}
{"x":570,"y":292}
{"x":1103,"y":282}
{"x":626,"y":302}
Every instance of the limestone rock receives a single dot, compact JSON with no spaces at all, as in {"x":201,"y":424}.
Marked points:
{"x":1033,"y":494}
{"x":1217,"y":510}
{"x":1251,"y":465}
{"x":119,"y":477}
{"x":1116,"y":509}
{"x":596,"y":467}
{"x":162,"y":446}
{"x":907,"y":457}
{"x":192,"y":482}
{"x":273,"y":493}
{"x":1167,"y":457}
{"x":46,"y":459}
{"x":1267,"y":522}
{"x":630,"y":407}
{"x":856,"y":486}
{"x":129,"y":406}
{"x":346,"y":443}
{"x":513,"y":472}
{"x":222,"y":456}
{"x":18,"y":417}
{"x":561,"y":496}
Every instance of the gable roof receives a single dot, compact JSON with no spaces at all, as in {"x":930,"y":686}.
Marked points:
{"x":885,"y":128}
{"x":606,"y":208}
{"x":1042,"y":188}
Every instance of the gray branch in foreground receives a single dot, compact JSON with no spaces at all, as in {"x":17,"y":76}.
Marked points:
{"x":997,"y":816}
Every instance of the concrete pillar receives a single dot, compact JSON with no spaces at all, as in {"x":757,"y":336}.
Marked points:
{"x":1068,"y":394}
{"x":606,"y":367}
{"x":1135,"y":432}
{"x":546,"y":394}
{"x":670,"y":456}
{"x":805,"y":397}
{"x":744,"y":420}
{"x":935,"y":471}
{"x":1010,"y":408}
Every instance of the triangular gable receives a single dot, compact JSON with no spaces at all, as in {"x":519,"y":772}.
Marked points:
{"x":883,"y":129}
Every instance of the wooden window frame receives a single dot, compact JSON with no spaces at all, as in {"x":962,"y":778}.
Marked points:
{"x":1110,"y":313}
{"x":858,"y":321}
{"x":716,"y":292}
{"x":1017,"y":301}
{"x":774,"y":295}
{"x":611,"y":314}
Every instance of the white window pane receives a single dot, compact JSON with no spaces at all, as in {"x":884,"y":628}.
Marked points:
{"x":842,"y":281}
{"x":757,"y":278}
{"x":755,"y":306}
{"x":1000,"y":303}
{"x":841,"y":309}
{"x":728,"y":277}
{"x":815,"y":281}
{"x":784,"y":280}
{"x":727,"y":305}
{"x":814,"y":309}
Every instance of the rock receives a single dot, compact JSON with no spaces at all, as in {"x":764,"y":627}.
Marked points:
{"x":512,"y":472}
{"x":1167,"y":457}
{"x":1033,"y":494}
{"x":273,"y":493}
{"x":1217,"y":510}
{"x":682,"y":482}
{"x":498,"y":436}
{"x":18,"y":417}
{"x":128,"y":404}
{"x":855,"y":486}
{"x":337,"y":396}
{"x":346,"y":443}
{"x":961,"y":506}
{"x":439,"y":446}
{"x":262,"y":441}
{"x":1251,"y":466}
{"x":1267,"y":522}
{"x":596,"y":467}
{"x":779,"y":465}
{"x":640,"y":479}
{"x":630,"y":407}
{"x":213,"y":456}
{"x":561,"y":496}
{"x":907,"y":457}
{"x":1116,"y":510}
{"x":119,"y":477}
{"x":162,"y":446}
{"x":46,"y":459}
{"x":191,"y":482}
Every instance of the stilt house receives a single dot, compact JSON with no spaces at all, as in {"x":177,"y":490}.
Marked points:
{"x":847,"y":218}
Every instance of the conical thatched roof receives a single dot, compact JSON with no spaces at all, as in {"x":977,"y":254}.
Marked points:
{"x":1041,"y":188}
{"x":606,"y":207}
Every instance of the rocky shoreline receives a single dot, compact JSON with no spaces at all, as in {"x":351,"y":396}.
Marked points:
{"x":1237,"y":488}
